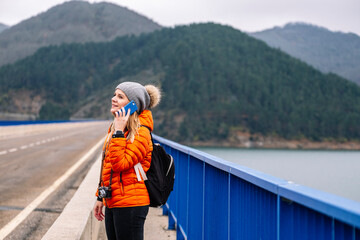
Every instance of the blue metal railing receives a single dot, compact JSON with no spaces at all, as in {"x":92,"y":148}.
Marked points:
{"x":217,"y":199}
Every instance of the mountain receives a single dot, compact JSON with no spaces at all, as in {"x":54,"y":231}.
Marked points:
{"x":217,"y":82}
{"x":328,"y":51}
{"x":3,"y":27}
{"x":74,"y":21}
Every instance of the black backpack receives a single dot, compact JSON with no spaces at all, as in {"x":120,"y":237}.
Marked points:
{"x":160,"y":176}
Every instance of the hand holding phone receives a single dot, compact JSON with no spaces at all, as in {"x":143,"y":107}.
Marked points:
{"x":131,"y":105}
{"x":120,"y":121}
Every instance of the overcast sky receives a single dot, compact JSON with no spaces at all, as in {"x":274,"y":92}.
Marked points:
{"x":246,"y":15}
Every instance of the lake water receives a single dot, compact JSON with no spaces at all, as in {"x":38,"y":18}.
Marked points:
{"x":336,"y":172}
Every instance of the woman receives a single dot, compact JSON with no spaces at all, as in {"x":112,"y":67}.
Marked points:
{"x":128,"y":144}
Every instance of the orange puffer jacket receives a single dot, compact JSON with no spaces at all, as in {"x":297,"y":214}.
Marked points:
{"x":122,"y":155}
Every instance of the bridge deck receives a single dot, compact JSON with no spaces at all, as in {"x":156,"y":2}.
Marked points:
{"x":156,"y":226}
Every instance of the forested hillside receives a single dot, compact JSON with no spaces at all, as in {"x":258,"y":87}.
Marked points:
{"x":3,"y":27}
{"x":216,"y":81}
{"x":328,"y":51}
{"x":73,"y":21}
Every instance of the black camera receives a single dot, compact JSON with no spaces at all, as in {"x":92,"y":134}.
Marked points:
{"x":104,"y":192}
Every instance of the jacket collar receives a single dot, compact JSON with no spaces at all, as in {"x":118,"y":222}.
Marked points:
{"x":146,"y":119}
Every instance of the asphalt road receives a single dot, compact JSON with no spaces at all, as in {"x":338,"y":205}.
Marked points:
{"x":32,"y":158}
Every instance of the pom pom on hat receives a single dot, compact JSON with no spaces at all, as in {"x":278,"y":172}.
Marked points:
{"x":155,"y":95}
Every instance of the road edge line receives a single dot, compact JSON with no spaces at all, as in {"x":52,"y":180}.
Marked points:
{"x":8,"y":228}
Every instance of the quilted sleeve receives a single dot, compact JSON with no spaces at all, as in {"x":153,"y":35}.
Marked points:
{"x":124,"y":155}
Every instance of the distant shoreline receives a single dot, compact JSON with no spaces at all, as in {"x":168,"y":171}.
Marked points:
{"x":289,"y":145}
{"x":245,"y":141}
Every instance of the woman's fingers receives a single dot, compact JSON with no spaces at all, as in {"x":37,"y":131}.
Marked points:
{"x":121,"y":119}
{"x":123,"y":113}
{"x":127,"y":115}
{"x":99,"y":215}
{"x":119,"y":113}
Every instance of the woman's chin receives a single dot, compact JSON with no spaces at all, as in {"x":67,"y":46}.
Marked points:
{"x":113,"y":111}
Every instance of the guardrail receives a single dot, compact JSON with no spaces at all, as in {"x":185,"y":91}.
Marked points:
{"x":217,"y":199}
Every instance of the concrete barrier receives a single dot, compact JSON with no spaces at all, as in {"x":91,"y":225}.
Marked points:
{"x":77,"y":220}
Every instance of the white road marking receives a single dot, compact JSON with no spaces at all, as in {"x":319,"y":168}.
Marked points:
{"x":30,"y":145}
{"x":8,"y":228}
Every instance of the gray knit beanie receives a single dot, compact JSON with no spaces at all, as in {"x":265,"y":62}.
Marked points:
{"x":137,"y":92}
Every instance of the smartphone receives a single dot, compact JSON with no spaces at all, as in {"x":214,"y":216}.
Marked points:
{"x":132,"y":106}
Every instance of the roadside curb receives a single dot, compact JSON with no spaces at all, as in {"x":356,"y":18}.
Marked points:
{"x":76,"y":220}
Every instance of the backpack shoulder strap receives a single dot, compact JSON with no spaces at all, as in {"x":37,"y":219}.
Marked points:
{"x":146,"y":127}
{"x":139,"y":171}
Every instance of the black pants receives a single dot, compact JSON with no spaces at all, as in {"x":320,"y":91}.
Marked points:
{"x":125,"y":223}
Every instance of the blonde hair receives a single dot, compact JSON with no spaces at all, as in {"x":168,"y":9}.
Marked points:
{"x":133,"y":125}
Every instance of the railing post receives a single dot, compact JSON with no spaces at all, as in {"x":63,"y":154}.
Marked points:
{"x":278,"y":217}
{"x":171,"y":221}
{"x":188,"y":192}
{"x":332,"y":229}
{"x":165,"y":209}
{"x":203,"y":205}
{"x":229,"y":202}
